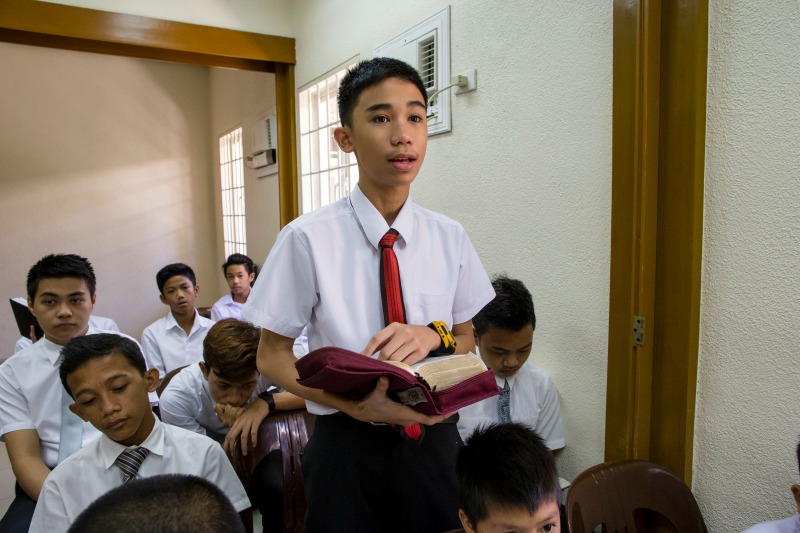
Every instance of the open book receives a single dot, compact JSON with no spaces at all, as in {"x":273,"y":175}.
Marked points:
{"x":435,"y":385}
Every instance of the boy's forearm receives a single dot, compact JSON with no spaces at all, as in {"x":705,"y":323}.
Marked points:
{"x":27,"y":464}
{"x":464,"y":336}
{"x":286,"y":401}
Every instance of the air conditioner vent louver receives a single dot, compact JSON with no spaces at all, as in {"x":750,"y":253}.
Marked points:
{"x":427,"y":62}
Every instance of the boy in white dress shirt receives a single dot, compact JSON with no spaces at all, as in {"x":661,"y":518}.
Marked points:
{"x":507,"y":481}
{"x":177,"y":339}
{"x":504,"y":337}
{"x":224,"y":397}
{"x":107,"y":377}
{"x":324,"y":271}
{"x":38,"y":429}
{"x":239,"y":272}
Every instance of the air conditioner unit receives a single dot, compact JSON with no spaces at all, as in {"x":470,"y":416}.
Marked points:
{"x":265,"y":144}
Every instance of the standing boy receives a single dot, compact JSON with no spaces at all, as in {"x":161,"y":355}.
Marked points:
{"x":507,"y":481}
{"x":504,"y":336}
{"x":239,"y":272}
{"x":177,"y":339}
{"x":106,"y":376}
{"x":324,"y":270}
{"x":38,"y":429}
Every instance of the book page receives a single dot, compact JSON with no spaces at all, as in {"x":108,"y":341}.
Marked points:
{"x":443,"y":372}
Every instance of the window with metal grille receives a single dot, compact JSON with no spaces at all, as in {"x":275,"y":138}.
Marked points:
{"x":232,"y":173}
{"x":326,"y":173}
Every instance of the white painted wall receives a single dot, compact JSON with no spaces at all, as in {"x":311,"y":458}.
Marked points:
{"x":749,"y":379}
{"x":526,"y":169}
{"x":105,"y":157}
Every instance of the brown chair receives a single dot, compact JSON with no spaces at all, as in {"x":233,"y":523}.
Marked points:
{"x":287,"y":431}
{"x":630,"y":496}
{"x":167,"y":377}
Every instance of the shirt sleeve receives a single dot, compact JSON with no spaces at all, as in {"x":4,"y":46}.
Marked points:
{"x":474,"y":289}
{"x":15,"y":413}
{"x":215,"y":314}
{"x":50,"y":513}
{"x":152,"y":352}
{"x":219,"y":471}
{"x":550,"y":425}
{"x":179,"y":408}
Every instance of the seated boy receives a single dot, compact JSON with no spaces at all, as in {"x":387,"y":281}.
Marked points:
{"x":35,"y":423}
{"x":504,"y":337}
{"x":106,"y":376}
{"x":786,"y":525}
{"x":174,"y":503}
{"x":239,"y":272}
{"x":224,"y":397}
{"x":177,"y":339}
{"x":507,"y":481}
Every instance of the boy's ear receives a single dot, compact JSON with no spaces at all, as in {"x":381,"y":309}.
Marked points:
{"x":465,"y":523}
{"x":343,"y":139}
{"x":796,"y":493}
{"x":204,"y":369}
{"x":163,"y":300}
{"x":251,"y":277}
{"x":75,"y":408}
{"x":151,"y":378}
{"x":94,"y":299}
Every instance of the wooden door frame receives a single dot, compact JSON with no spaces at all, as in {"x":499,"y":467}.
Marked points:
{"x":658,"y":153}
{"x":88,"y":30}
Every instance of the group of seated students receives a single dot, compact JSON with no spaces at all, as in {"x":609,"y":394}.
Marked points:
{"x":86,"y":394}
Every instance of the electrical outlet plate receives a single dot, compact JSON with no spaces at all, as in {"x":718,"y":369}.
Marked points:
{"x":472,"y":81}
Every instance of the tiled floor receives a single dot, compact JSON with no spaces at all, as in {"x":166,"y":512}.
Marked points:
{"x":7,"y":488}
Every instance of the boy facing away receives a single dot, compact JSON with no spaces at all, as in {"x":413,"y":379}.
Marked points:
{"x":177,"y":339}
{"x":107,"y":377}
{"x":225,"y":397}
{"x":507,"y":481}
{"x":35,"y":423}
{"x":361,"y":474}
{"x":239,"y":272}
{"x":504,"y":336}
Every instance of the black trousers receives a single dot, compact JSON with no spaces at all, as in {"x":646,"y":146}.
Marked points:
{"x":367,"y":478}
{"x":266,"y":491}
{"x":19,"y":514}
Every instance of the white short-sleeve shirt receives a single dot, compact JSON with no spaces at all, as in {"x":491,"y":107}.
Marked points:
{"x":187,"y":403}
{"x":30,"y":396}
{"x":324,"y":271}
{"x":166,"y":346}
{"x":90,"y":472}
{"x":225,"y":307}
{"x":534,"y":402}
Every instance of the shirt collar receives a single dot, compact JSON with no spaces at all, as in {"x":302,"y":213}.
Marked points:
{"x":172,"y":323}
{"x":110,"y":450}
{"x":373,"y":223}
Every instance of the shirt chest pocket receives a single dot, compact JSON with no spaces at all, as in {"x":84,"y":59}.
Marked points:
{"x":428,"y":307}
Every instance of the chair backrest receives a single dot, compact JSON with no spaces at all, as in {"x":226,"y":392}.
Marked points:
{"x":287,"y":431}
{"x":626,"y":496}
{"x":167,"y":377}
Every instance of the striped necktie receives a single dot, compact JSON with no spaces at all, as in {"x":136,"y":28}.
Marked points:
{"x":130,"y":460}
{"x":503,"y":404}
{"x":393,"y":306}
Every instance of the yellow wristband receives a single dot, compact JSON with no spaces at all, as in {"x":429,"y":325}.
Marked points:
{"x":448,"y":345}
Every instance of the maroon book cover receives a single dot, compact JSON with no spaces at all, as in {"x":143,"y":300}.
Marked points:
{"x":346,"y":372}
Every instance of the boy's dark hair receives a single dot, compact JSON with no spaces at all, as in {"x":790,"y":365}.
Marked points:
{"x":167,"y":503}
{"x":239,"y":259}
{"x":170,"y":271}
{"x":372,"y":72}
{"x":504,"y":465}
{"x":511,"y":309}
{"x":57,"y":266}
{"x":230,"y":348}
{"x":80,"y":350}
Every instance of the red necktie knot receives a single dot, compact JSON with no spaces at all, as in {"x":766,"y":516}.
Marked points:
{"x":387,"y":241}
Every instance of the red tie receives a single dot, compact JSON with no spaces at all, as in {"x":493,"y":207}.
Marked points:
{"x":393,"y":308}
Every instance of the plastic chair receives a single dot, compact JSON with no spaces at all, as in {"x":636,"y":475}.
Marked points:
{"x":287,"y":431}
{"x":631,"y":495}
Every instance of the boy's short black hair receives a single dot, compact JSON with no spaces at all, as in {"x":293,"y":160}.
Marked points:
{"x":230,"y":349}
{"x":167,"y":503}
{"x":504,"y":465}
{"x":511,"y":309}
{"x":172,"y":270}
{"x":372,"y":72}
{"x":58,"y":266}
{"x":239,"y":259}
{"x":80,"y":350}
